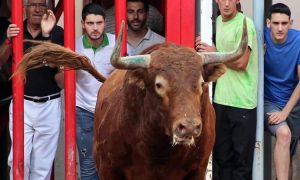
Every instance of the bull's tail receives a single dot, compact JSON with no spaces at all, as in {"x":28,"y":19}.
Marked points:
{"x":53,"y":55}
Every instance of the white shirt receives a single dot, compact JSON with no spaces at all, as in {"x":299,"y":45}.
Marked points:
{"x":87,"y":86}
{"x":149,"y":39}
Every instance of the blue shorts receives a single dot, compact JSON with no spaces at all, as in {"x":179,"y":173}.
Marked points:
{"x":293,"y":122}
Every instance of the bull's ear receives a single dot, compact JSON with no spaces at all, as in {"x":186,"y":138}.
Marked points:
{"x":213,"y":71}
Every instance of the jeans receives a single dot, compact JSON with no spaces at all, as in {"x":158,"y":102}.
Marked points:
{"x":84,"y":139}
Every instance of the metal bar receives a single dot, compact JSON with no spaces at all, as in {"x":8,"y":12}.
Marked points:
{"x":187,"y":24}
{"x":70,"y":129}
{"x":120,"y":11}
{"x":173,"y":21}
{"x":258,"y":164}
{"x":58,"y":9}
{"x":18,"y":94}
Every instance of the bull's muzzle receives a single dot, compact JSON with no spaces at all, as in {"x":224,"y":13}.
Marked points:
{"x":186,"y":131}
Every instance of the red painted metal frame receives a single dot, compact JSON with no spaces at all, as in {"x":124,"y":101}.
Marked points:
{"x":180,"y":22}
{"x":18,"y":94}
{"x":70,"y":129}
{"x":120,"y":12}
{"x":173,"y":20}
{"x":188,"y":23}
{"x":58,"y":9}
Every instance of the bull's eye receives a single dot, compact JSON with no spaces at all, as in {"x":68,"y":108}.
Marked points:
{"x":161,"y":85}
{"x":158,"y":85}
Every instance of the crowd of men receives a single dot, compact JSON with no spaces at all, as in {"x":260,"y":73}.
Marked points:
{"x":235,"y":93}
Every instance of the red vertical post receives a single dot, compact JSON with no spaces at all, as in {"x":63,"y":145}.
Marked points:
{"x":188,"y":23}
{"x":173,"y":19}
{"x":70,"y":129}
{"x":120,"y":12}
{"x":18,"y":95}
{"x":180,"y":22}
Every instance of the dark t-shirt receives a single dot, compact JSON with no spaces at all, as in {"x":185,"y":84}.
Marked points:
{"x":5,"y":70}
{"x":41,"y":82}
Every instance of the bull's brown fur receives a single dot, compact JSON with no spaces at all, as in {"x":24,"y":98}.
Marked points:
{"x":132,"y":135}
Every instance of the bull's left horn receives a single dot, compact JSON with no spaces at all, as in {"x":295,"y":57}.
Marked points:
{"x":129,"y":62}
{"x":220,"y":57}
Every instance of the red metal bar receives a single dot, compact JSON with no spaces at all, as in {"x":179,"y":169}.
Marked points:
{"x":173,"y":20}
{"x":120,"y":12}
{"x":18,"y":95}
{"x":180,"y":22}
{"x":187,"y":23}
{"x":58,"y":9}
{"x":70,"y":130}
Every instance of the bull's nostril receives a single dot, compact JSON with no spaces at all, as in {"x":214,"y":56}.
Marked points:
{"x":186,"y":130}
{"x":181,"y":127}
{"x":188,"y":137}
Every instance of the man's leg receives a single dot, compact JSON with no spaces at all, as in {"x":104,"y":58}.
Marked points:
{"x":243,"y":141}
{"x":294,"y":125}
{"x":45,"y":139}
{"x":222,"y":152}
{"x":28,"y":136}
{"x":84,"y":139}
{"x":281,"y":152}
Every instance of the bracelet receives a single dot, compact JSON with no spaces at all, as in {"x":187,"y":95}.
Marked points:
{"x":46,"y":38}
{"x":7,"y":41}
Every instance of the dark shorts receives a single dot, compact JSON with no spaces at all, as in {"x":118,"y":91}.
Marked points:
{"x":293,"y":121}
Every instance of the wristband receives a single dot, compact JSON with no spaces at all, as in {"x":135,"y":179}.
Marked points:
{"x":7,"y":41}
{"x":46,"y":38}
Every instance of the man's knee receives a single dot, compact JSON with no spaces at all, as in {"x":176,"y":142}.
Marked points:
{"x":283,"y":135}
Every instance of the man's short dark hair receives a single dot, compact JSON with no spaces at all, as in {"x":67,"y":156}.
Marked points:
{"x":92,"y":8}
{"x":145,"y":2}
{"x":279,"y":8}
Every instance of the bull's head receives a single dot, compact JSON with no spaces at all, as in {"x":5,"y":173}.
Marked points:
{"x":178,"y":82}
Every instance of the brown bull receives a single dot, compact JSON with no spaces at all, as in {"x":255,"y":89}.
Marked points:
{"x":154,"y":119}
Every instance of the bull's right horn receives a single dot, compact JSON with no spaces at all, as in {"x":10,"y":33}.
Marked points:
{"x":221,"y":57}
{"x":129,"y":62}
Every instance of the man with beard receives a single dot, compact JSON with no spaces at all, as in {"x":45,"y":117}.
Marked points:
{"x":139,"y":36}
{"x":98,"y":47}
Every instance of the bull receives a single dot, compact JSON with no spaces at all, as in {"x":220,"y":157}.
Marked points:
{"x":154,"y":118}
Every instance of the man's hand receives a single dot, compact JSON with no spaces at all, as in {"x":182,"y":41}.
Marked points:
{"x":201,"y":46}
{"x":12,"y":31}
{"x":277,"y":117}
{"x":48,"y":22}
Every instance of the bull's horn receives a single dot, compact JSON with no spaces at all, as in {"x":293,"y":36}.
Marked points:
{"x":129,"y":62}
{"x":219,"y":57}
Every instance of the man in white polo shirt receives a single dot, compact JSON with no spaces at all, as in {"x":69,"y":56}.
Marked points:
{"x":139,"y":36}
{"x":98,"y":47}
